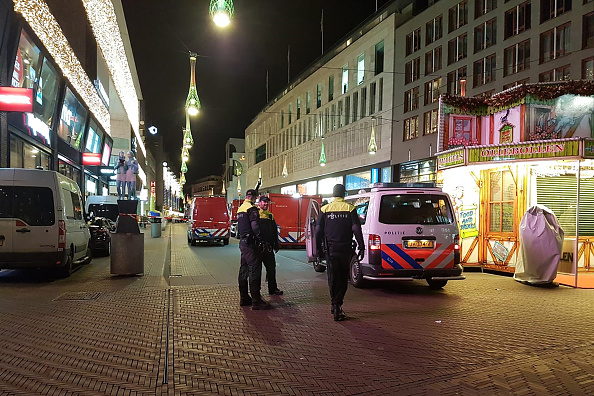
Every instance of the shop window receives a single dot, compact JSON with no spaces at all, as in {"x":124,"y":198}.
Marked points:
{"x":25,"y":155}
{"x":358,"y":181}
{"x":72,"y":120}
{"x":433,"y":30}
{"x":46,"y":96}
{"x":517,"y":20}
{"x":26,"y":64}
{"x":502,"y":195}
{"x":412,"y":70}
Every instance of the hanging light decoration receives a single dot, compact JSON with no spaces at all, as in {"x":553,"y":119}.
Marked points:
{"x":184,"y":167}
{"x":323,"y":155}
{"x":188,"y":139}
{"x":223,"y":191}
{"x":182,"y":179}
{"x":221,"y":12}
{"x":285,"y":171}
{"x":239,"y":187}
{"x":372,"y":146}
{"x":185,"y":155}
{"x":193,"y":103}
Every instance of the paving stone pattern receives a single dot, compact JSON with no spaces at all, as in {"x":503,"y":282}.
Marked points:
{"x":487,"y":335}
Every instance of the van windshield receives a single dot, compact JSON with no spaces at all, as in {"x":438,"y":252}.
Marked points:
{"x":109,"y":211}
{"x":415,"y":209}
{"x":33,"y":205}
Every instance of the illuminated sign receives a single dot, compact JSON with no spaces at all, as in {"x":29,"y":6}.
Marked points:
{"x":16,"y":99}
{"x":106,"y":154}
{"x":451,"y":158}
{"x":38,"y":128}
{"x":91,"y":159}
{"x":153,"y":189}
{"x":549,"y":149}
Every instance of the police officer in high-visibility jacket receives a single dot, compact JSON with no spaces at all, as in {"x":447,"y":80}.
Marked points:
{"x":269,"y":230}
{"x":337,"y":224}
{"x":250,"y":270}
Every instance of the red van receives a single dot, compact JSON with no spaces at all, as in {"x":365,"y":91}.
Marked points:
{"x":234,"y":206}
{"x":209,"y":220}
{"x":290,"y":214}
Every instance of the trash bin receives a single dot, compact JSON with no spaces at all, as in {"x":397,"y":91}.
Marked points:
{"x":155,"y":227}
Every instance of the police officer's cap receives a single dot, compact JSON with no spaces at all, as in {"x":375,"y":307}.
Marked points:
{"x":251,"y":192}
{"x":338,"y":191}
{"x":264,"y":199}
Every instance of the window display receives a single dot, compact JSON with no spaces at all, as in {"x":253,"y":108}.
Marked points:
{"x":94,"y":136}
{"x":72,"y":120}
{"x":25,"y":155}
{"x":26,"y":64}
{"x":46,"y":96}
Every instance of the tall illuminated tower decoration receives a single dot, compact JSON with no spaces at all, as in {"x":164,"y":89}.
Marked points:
{"x":188,"y":139}
{"x":372,"y":146}
{"x":221,"y":12}
{"x":192,"y":102}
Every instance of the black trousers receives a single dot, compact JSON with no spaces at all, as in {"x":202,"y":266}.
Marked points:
{"x":269,"y":260}
{"x":338,"y":266}
{"x":250,"y":271}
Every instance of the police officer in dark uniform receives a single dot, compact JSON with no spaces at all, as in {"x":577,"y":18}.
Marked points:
{"x":269,"y":231}
{"x":250,"y":270}
{"x":336,"y":226}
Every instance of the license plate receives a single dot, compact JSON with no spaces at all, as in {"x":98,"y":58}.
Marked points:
{"x":421,"y":244}
{"x":204,"y":234}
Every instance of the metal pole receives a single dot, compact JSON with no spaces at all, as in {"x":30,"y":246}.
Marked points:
{"x":577,"y":222}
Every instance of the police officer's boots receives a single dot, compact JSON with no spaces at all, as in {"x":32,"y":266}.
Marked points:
{"x":338,"y":313}
{"x":259,"y":304}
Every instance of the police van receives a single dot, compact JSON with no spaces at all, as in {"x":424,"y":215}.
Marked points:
{"x":410,"y":232}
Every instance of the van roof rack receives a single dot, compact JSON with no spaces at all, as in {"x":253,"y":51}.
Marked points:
{"x":404,"y":185}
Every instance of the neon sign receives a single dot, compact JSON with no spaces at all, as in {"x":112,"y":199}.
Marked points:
{"x":16,"y":99}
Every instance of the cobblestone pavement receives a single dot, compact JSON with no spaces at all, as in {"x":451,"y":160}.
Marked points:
{"x":179,"y":330}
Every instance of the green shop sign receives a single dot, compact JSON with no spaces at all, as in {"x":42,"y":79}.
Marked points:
{"x":451,"y":158}
{"x":553,"y":149}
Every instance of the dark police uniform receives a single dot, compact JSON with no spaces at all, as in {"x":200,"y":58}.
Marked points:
{"x":337,"y":224}
{"x":251,"y":258}
{"x":269,"y":232}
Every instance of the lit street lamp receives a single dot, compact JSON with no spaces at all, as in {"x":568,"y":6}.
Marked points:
{"x":221,"y":12}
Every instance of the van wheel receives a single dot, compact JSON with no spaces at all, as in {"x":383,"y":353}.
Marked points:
{"x":318,"y":266}
{"x":357,"y":274}
{"x":436,"y":284}
{"x":66,"y":270}
{"x":192,"y":242}
{"x":226,"y":241}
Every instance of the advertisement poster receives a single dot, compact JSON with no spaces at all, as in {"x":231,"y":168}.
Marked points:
{"x":467,"y":222}
{"x":506,"y":124}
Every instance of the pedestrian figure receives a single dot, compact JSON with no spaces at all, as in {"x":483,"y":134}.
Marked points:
{"x":269,"y":230}
{"x":250,"y":270}
{"x":337,"y":224}
{"x":120,"y":169}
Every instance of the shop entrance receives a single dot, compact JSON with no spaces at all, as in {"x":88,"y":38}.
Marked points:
{"x":499,"y":204}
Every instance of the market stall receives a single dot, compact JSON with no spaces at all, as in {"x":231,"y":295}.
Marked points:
{"x":500,"y":155}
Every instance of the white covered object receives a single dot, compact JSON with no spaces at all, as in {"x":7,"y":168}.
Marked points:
{"x":541,"y":242}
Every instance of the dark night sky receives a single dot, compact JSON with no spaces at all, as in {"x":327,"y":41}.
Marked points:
{"x":232,"y":63}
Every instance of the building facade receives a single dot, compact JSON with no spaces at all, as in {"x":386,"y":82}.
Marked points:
{"x":479,"y":48}
{"x":333,"y":122}
{"x":234,"y":184}
{"x":81,"y":74}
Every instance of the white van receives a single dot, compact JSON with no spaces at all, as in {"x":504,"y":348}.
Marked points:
{"x":41,"y":221}
{"x":411,"y":233}
{"x":103,"y":206}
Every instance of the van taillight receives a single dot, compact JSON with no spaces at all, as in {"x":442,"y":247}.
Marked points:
{"x":457,"y":242}
{"x":61,"y":235}
{"x":375,"y":242}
